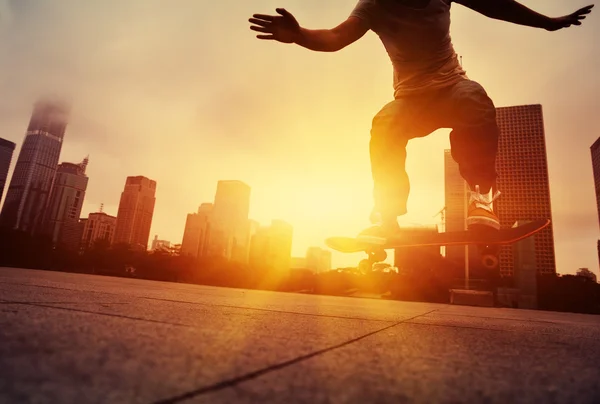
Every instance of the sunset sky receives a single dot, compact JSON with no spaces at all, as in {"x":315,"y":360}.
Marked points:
{"x":182,"y":92}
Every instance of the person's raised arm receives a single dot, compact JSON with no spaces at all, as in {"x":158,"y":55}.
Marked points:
{"x":284,"y":28}
{"x":512,"y":11}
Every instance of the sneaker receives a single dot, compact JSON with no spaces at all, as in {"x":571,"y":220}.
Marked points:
{"x":379,"y":233}
{"x":480,"y":211}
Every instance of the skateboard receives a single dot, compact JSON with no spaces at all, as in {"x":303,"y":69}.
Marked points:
{"x":487,"y":240}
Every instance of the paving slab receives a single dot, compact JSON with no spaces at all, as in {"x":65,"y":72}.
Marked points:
{"x":74,"y":338}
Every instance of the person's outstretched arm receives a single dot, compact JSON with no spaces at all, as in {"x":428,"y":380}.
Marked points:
{"x":284,"y":28}
{"x":512,"y":11}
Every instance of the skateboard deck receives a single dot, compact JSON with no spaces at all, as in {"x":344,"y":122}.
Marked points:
{"x":425,"y":239}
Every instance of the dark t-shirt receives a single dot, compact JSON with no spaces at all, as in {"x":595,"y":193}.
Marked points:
{"x":417,"y":41}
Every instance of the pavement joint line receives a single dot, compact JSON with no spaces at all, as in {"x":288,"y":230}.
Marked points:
{"x":524,"y":320}
{"x":486,"y":329}
{"x":271,"y":311}
{"x":59,"y":288}
{"x":257,"y":373}
{"x":106,"y":314}
{"x":20,"y":302}
{"x":208,"y":304}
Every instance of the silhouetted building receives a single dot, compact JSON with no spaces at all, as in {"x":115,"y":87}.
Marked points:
{"x":73,"y":234}
{"x":6,"y":151}
{"x":242,"y":253}
{"x":595,"y":149}
{"x":98,"y":226}
{"x":456,"y":197}
{"x":65,"y":203}
{"x":408,"y":258}
{"x":318,"y":260}
{"x":523,"y":180}
{"x":136,"y":208}
{"x":196,"y":236}
{"x":271,"y":246}
{"x":160,"y":245}
{"x":31,"y":182}
{"x":298,"y":263}
{"x":229,"y":230}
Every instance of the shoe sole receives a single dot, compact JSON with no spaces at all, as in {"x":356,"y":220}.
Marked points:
{"x":371,"y":240}
{"x":483,"y":221}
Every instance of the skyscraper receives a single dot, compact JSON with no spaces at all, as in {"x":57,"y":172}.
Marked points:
{"x":196,"y":236}
{"x":160,"y":245}
{"x":523,"y":180}
{"x":64,"y":205}
{"x":230,"y":219}
{"x":98,"y":226}
{"x":136,"y":208}
{"x":6,"y":151}
{"x":595,"y":149}
{"x":271,"y":246}
{"x":31,"y":181}
{"x":318,"y":260}
{"x":243,"y":254}
{"x":455,"y":196}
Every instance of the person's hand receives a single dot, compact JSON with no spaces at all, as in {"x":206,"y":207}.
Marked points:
{"x":283,"y":28}
{"x":555,"y":24}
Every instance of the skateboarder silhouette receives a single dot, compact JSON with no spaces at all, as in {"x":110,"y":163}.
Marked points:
{"x":431,"y":91}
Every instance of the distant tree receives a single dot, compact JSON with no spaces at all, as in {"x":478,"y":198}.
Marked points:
{"x":586,"y":273}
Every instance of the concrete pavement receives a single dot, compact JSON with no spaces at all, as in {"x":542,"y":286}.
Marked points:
{"x":67,"y":338}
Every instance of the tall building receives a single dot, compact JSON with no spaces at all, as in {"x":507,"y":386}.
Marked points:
{"x":523,"y":180}
{"x":98,"y":226}
{"x":271,"y":246}
{"x":136,"y":208}
{"x":160,"y":245}
{"x":6,"y":151}
{"x":64,"y":205}
{"x":244,"y":253}
{"x":318,"y":260}
{"x":230,"y":219}
{"x":595,"y":149}
{"x":455,"y":196}
{"x":196,"y":236}
{"x":31,"y":181}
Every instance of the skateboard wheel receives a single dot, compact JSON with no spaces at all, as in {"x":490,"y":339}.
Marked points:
{"x":365,"y":266}
{"x":489,"y":261}
{"x":378,"y":256}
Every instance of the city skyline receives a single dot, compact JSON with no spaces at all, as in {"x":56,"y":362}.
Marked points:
{"x":286,"y":149}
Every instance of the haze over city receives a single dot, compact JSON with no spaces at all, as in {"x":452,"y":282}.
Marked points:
{"x":154,"y":93}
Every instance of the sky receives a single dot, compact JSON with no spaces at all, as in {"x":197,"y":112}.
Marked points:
{"x":183,"y":93}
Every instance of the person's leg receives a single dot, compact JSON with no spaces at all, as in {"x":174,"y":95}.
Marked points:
{"x":392,"y":128}
{"x":474,"y":144}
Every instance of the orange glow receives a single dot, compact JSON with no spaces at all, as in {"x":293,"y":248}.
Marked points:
{"x":156,"y":94}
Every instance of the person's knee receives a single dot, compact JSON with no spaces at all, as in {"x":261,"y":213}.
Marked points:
{"x":474,"y":107}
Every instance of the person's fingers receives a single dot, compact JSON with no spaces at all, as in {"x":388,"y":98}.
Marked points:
{"x":262,"y":23}
{"x":283,"y":12}
{"x":261,"y":29}
{"x":264,"y":17}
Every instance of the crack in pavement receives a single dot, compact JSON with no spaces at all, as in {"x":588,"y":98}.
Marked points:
{"x":46,"y":302}
{"x":271,"y":310}
{"x":257,"y":373}
{"x":213,"y":305}
{"x":105,"y":314}
{"x":471,"y":327}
